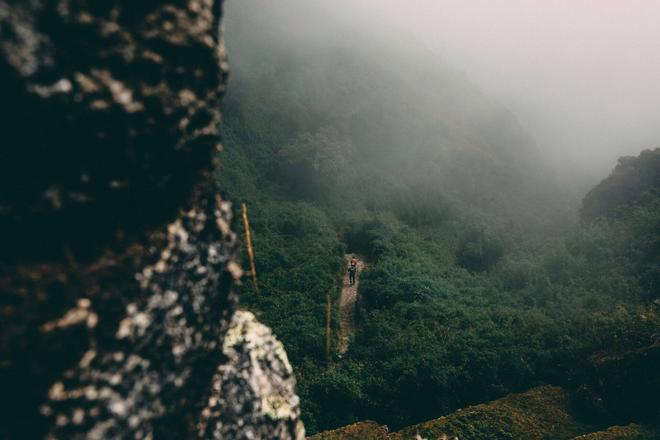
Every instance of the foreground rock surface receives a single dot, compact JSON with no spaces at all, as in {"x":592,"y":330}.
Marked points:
{"x":358,"y":431}
{"x":256,"y":375}
{"x":629,"y":432}
{"x":541,"y":413}
{"x":117,"y":268}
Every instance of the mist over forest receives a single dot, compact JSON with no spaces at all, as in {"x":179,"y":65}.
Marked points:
{"x":348,"y":131}
{"x":580,"y":75}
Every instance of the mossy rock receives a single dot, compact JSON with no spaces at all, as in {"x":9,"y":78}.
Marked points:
{"x":629,"y":432}
{"x":358,"y":431}
{"x":539,"y":414}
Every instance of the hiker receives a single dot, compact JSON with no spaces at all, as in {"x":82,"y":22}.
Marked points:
{"x":352,"y":270}
{"x":354,"y":261}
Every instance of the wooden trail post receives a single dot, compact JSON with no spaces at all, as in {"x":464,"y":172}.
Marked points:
{"x":250,"y":250}
{"x":328,"y":317}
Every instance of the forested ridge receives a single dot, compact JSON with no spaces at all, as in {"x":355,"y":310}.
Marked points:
{"x":483,"y":279}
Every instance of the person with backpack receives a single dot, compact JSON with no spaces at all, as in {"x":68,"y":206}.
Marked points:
{"x":352,"y":271}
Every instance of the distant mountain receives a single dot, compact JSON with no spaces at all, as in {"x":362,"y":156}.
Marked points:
{"x":350,"y":108}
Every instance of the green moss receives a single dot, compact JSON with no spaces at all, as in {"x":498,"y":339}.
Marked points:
{"x":629,"y":432}
{"x":357,"y":431}
{"x":541,"y":413}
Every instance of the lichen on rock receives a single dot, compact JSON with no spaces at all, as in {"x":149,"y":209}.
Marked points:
{"x":257,"y":374}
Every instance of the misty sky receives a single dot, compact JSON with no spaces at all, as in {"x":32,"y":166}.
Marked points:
{"x":583,"y":76}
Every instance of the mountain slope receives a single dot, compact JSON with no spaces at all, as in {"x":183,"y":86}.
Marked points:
{"x":481,"y":285}
{"x":342,"y":117}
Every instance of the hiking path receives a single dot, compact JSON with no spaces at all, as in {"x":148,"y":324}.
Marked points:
{"x":347,"y":302}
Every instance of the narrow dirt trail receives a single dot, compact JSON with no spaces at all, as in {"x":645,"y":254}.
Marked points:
{"x":347,"y":303}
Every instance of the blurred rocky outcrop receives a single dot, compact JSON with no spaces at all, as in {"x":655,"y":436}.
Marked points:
{"x":367,"y":430}
{"x":541,"y":413}
{"x":254,"y":387}
{"x":116,"y":255}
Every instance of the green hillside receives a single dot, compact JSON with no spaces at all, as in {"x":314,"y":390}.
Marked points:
{"x":481,"y":283}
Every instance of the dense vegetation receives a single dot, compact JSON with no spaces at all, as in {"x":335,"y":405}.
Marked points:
{"x":480,"y":282}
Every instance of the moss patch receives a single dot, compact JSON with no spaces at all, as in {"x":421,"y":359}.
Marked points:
{"x":357,"y":431}
{"x":541,"y":413}
{"x":629,"y":432}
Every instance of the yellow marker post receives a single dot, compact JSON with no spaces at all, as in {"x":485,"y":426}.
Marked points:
{"x":328,"y":317}
{"x":250,"y":249}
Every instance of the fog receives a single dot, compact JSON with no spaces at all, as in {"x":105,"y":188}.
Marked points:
{"x":581,"y":76}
